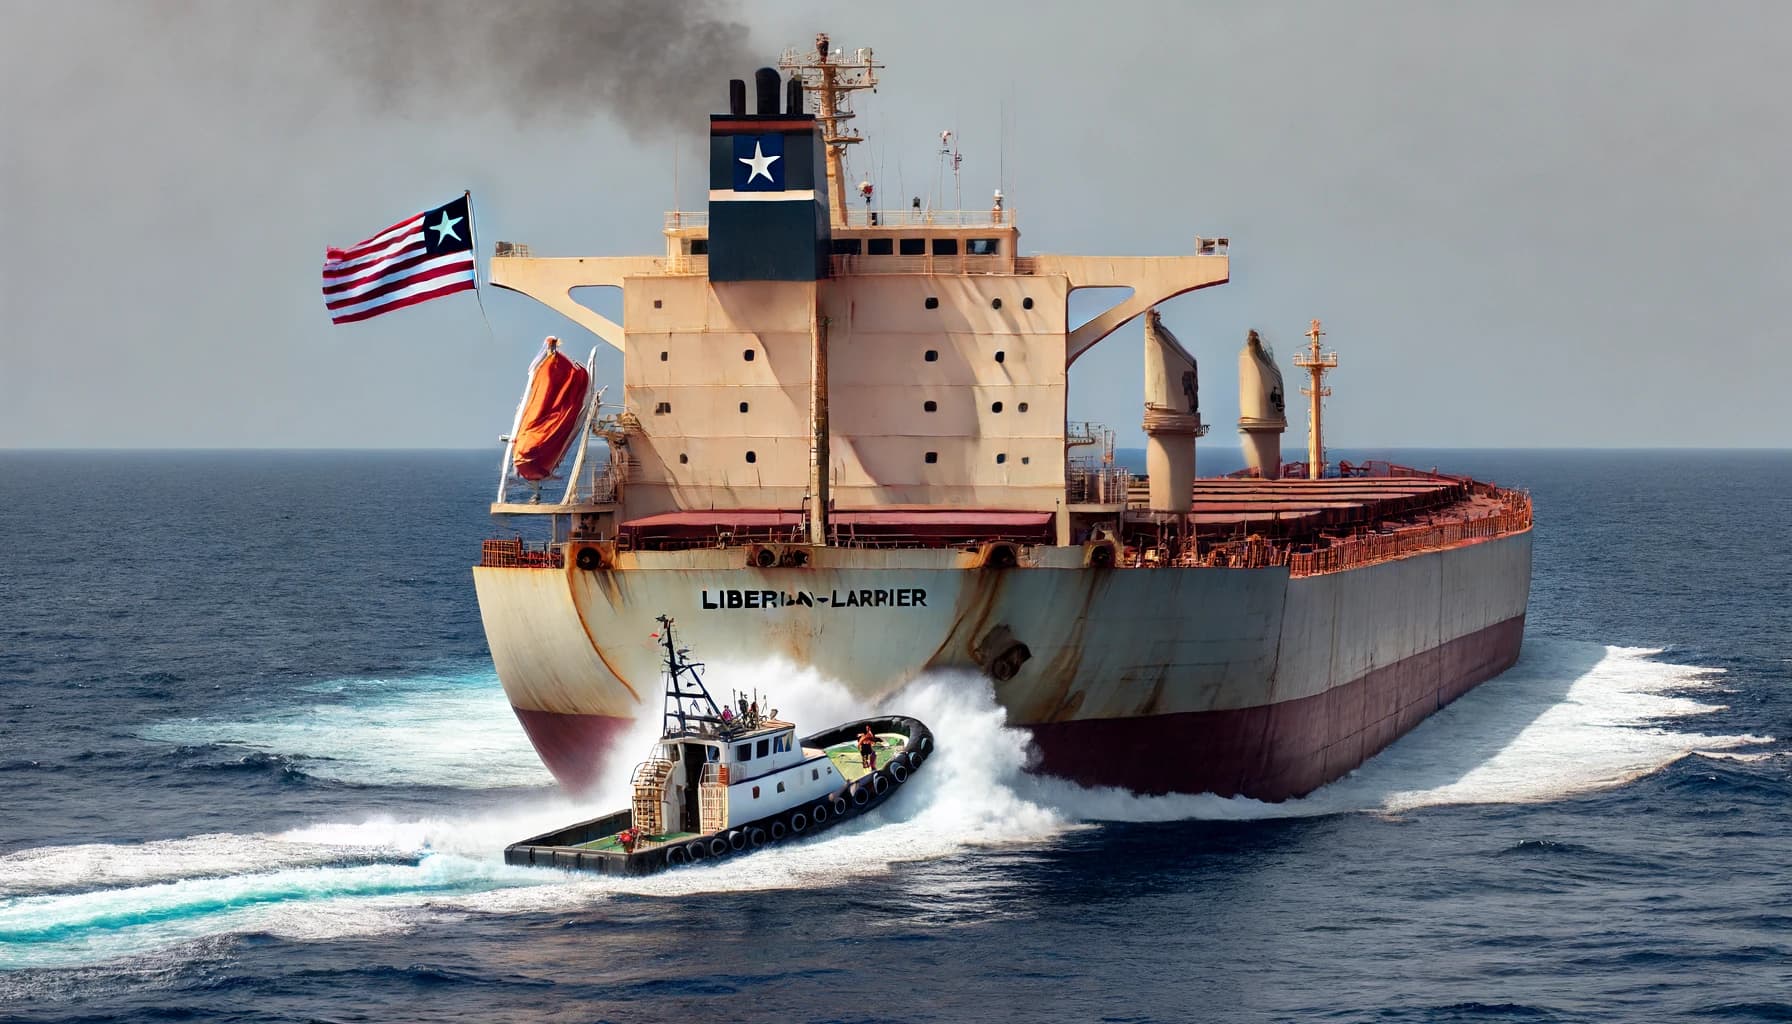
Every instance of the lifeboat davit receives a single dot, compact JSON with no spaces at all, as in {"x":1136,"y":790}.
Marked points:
{"x":552,"y":412}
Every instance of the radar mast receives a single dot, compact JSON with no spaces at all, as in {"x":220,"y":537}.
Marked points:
{"x":832,"y":77}
{"x":1315,"y":363}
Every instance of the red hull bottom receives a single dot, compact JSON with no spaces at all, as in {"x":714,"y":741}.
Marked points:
{"x":1271,"y":752}
{"x":1276,"y":751}
{"x":572,"y":746}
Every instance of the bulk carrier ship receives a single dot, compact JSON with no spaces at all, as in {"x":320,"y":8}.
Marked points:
{"x":842,"y":442}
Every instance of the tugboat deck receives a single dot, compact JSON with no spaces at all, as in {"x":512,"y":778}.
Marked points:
{"x":846,"y":755}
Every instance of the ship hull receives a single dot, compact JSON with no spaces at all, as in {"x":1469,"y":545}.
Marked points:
{"x":1234,"y":681}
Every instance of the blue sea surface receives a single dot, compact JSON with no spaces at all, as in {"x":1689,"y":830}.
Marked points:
{"x":255,"y":766}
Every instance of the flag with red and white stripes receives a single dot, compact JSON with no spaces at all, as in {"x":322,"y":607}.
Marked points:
{"x":419,"y":258}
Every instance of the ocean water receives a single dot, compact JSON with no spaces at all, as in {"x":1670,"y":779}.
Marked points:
{"x":255,"y":766}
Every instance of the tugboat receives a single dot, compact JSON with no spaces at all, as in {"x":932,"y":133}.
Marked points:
{"x":729,"y":780}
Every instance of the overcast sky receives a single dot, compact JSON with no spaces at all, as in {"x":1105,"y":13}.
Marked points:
{"x":1523,"y":224}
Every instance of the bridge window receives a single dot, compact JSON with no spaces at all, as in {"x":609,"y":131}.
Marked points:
{"x":744,"y":752}
{"x":933,"y":302}
{"x":879,"y":246}
{"x":912,"y":247}
{"x":932,"y":457}
{"x":846,"y":247}
{"x":699,"y":247}
{"x":930,"y":406}
{"x":764,"y":747}
{"x":752,"y":457}
{"x":945,"y":247}
{"x":983,"y":246}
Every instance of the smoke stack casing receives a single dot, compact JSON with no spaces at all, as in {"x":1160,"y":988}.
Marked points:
{"x":1262,"y":413}
{"x":1172,"y":418}
{"x":768,"y":194}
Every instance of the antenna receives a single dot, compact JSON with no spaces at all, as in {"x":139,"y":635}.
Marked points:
{"x":1315,"y":363}
{"x":832,"y":77}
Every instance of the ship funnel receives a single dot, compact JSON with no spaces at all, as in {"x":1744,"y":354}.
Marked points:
{"x":793,"y":97}
{"x":765,"y":83}
{"x":1261,"y":413}
{"x":737,"y":97}
{"x":1172,"y":418}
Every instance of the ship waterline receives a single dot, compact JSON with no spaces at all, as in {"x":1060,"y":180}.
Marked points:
{"x":1249,"y":681}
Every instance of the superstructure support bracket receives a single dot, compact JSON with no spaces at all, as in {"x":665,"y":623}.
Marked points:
{"x":551,"y":281}
{"x":1152,"y":279}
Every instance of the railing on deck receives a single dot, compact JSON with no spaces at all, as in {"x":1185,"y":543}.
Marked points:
{"x":1369,"y":548}
{"x":512,"y":553}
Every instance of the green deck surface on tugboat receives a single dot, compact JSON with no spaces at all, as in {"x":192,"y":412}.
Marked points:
{"x":613,"y":842}
{"x":846,"y":755}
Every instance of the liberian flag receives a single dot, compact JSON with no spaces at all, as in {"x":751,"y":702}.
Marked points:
{"x":420,"y":258}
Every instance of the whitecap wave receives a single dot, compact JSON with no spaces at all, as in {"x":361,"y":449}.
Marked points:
{"x":1569,"y":718}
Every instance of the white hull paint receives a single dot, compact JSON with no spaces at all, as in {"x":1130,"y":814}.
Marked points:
{"x":1104,"y":643}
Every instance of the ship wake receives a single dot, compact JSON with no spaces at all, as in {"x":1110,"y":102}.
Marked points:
{"x":1568,"y":719}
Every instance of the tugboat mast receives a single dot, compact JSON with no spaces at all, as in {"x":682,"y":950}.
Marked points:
{"x":679,"y":689}
{"x":832,"y":78}
{"x":1315,"y":363}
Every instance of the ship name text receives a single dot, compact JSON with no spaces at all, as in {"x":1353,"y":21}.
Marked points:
{"x":886,"y":597}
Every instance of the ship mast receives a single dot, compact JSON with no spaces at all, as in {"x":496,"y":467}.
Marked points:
{"x":1315,"y":363}
{"x":832,"y":78}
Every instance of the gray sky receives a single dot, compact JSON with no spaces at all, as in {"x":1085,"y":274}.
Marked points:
{"x":1523,"y":223}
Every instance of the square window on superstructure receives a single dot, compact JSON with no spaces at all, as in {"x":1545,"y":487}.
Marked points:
{"x":699,"y":247}
{"x":913,"y":247}
{"x":983,"y":246}
{"x":879,"y":246}
{"x":755,"y":792}
{"x":744,"y":752}
{"x":765,"y":747}
{"x":780,"y":787}
{"x":945,"y":247}
{"x":846,"y":246}
{"x":662,"y":409}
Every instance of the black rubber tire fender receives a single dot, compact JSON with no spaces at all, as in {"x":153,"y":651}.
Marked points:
{"x":898,"y":772}
{"x":839,"y":805}
{"x":880,"y":782}
{"x":677,"y":855}
{"x":755,"y":838}
{"x":799,"y":822}
{"x":718,"y":847}
{"x":861,"y":793}
{"x":777,"y":831}
{"x":737,"y":839}
{"x":819,"y":814}
{"x":588,"y":559}
{"x":697,"y":850}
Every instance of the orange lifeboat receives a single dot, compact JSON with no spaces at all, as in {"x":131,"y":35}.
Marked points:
{"x":552,"y":413}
